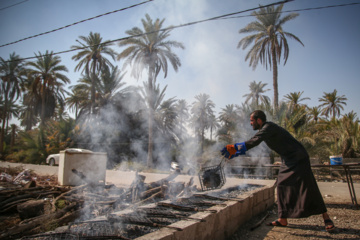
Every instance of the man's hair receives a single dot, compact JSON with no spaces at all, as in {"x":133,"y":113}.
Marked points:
{"x":259,"y":114}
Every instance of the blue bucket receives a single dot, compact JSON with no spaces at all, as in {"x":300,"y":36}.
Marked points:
{"x":336,"y":160}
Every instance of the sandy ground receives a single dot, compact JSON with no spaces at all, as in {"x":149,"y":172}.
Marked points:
{"x":336,"y":194}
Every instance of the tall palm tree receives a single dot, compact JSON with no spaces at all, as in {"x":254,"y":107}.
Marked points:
{"x":48,"y":82}
{"x":91,"y":55}
{"x":28,"y":116}
{"x":182,"y":109}
{"x":349,"y":134}
{"x":270,"y":41}
{"x":111,"y":82}
{"x":256,"y":93}
{"x":294,"y":99}
{"x":150,"y":50}
{"x":75,"y":100}
{"x":153,"y":92}
{"x":315,"y":113}
{"x":11,"y":74}
{"x":213,"y":124}
{"x":332,"y":103}
{"x":202,"y":110}
{"x":81,"y":95}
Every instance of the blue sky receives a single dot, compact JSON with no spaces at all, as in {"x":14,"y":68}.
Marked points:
{"x":211,"y":63}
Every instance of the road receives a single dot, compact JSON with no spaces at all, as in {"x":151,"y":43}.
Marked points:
{"x":338,"y":191}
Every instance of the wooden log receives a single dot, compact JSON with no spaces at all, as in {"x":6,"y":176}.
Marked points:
{"x":23,"y":228}
{"x":167,"y":179}
{"x":73,"y":190}
{"x":149,"y":192}
{"x":12,"y":205}
{"x":183,"y":208}
{"x":159,"y":194}
{"x":33,"y":208}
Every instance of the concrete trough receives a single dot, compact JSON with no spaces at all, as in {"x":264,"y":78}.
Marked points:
{"x":223,"y":223}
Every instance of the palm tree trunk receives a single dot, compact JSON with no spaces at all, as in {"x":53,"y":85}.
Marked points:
{"x":151,"y":119}
{"x":42,"y":117}
{"x":150,"y":143}
{"x":13,"y":135}
{"x":2,"y":133}
{"x":93,"y":87}
{"x":275,"y":80}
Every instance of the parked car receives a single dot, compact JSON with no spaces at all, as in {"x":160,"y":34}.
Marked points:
{"x":53,"y":159}
{"x":185,"y":169}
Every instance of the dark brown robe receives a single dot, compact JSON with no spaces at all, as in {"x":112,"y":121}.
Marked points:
{"x":297,"y":191}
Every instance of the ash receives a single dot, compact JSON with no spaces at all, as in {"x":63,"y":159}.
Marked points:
{"x":234,"y":192}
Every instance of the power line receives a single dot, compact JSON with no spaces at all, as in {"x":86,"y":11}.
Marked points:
{"x":75,"y":23}
{"x":301,"y":10}
{"x":13,"y":5}
{"x":164,"y":29}
{"x":225,"y":16}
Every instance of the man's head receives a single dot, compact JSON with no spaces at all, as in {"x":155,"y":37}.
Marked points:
{"x":257,"y":119}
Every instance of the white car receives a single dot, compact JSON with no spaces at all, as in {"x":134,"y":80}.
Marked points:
{"x":53,"y":159}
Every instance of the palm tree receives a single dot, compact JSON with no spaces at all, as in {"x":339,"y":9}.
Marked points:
{"x":315,"y":113}
{"x":294,"y":99}
{"x":91,"y":55}
{"x":202,"y":110}
{"x":75,"y":100}
{"x":111,"y":83}
{"x":28,"y":114}
{"x":332,"y":103}
{"x":256,"y":93}
{"x":156,"y":95}
{"x":150,"y":50}
{"x":11,"y":72}
{"x":213,"y":124}
{"x":48,"y":82}
{"x":349,"y":134}
{"x":269,"y":41}
{"x":182,"y":109}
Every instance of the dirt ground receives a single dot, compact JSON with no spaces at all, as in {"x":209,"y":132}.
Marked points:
{"x":344,"y":215}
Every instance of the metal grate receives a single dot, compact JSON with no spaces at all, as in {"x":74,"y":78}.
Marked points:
{"x":212,"y":177}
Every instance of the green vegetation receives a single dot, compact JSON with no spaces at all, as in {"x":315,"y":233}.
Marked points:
{"x":137,"y":126}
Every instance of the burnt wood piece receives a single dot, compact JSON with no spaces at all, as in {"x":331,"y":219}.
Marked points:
{"x":144,"y":221}
{"x":218,"y":198}
{"x":260,"y":222}
{"x":137,"y":186}
{"x":167,"y":214}
{"x":80,"y":175}
{"x":12,"y":205}
{"x":187,"y":189}
{"x":73,"y":190}
{"x":32,"y":223}
{"x":160,"y":182}
{"x":184,"y":208}
{"x":33,"y":208}
{"x":192,"y":201}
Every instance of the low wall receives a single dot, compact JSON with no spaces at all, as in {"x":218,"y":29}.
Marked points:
{"x":220,"y":225}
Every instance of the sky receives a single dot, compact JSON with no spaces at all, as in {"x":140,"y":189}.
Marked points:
{"x":211,"y":63}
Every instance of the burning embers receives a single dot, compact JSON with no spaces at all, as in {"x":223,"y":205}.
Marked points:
{"x":139,"y":221}
{"x":108,"y":212}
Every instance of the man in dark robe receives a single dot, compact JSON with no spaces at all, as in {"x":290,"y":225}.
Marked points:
{"x":298,"y":194}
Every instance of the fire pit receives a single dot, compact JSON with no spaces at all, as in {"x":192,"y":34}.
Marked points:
{"x":216,"y":215}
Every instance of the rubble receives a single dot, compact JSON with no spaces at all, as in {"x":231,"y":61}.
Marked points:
{"x":31,"y":204}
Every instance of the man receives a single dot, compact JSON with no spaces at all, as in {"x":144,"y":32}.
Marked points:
{"x":298,"y":195}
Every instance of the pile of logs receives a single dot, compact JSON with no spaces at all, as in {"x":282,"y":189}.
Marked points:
{"x":43,"y":208}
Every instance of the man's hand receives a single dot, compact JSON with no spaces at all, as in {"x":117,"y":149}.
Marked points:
{"x":240,"y":148}
{"x":229,"y":151}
